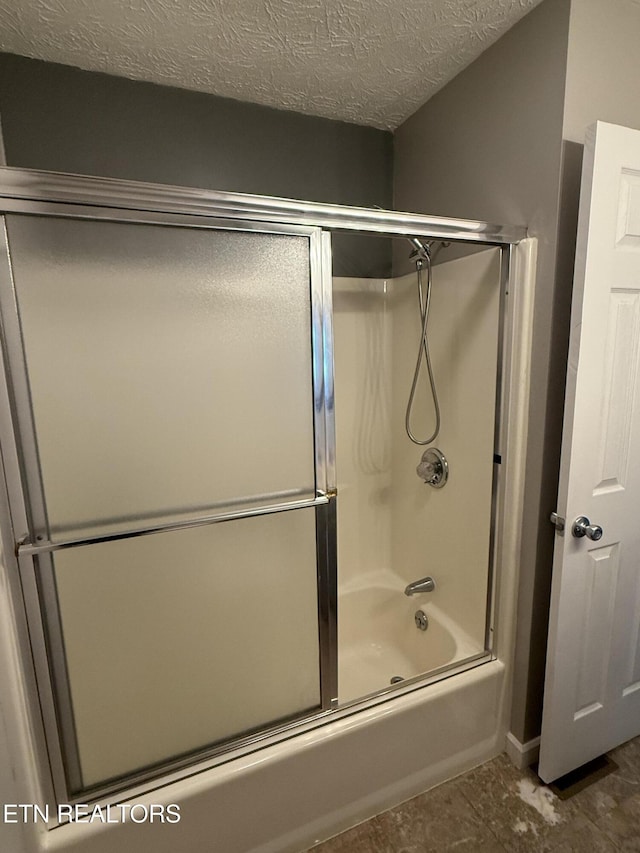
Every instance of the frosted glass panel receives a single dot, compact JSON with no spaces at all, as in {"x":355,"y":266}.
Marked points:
{"x":170,"y":368}
{"x":177,"y":640}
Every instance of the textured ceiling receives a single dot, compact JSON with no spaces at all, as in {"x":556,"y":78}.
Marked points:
{"x":371,"y":62}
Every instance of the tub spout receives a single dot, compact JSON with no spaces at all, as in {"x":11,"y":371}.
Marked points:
{"x":423,"y":585}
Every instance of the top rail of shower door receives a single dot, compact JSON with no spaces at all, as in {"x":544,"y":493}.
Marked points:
{"x":35,"y":186}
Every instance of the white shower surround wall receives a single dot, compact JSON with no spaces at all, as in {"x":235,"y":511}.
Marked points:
{"x":287,"y":796}
{"x":392,"y":528}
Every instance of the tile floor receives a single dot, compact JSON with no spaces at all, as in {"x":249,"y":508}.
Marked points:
{"x":496,"y":808}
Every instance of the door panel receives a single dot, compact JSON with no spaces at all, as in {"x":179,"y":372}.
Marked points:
{"x":169,"y":384}
{"x":169,"y":368}
{"x":179,"y":640}
{"x":591,"y":700}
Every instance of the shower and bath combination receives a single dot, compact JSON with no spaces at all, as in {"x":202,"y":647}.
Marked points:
{"x":331,"y":572}
{"x":433,"y":467}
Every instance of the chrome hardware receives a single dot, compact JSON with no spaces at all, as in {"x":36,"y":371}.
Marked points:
{"x":422,"y":620}
{"x":24,"y":548}
{"x":433,"y":468}
{"x":557,"y":521}
{"x":583,"y":527}
{"x":423,"y":585}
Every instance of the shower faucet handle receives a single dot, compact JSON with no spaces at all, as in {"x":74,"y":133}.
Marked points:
{"x":426,"y":470}
{"x":433,"y":468}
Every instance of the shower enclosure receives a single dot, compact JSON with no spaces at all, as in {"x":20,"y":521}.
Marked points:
{"x":393,"y":527}
{"x":212,"y":541}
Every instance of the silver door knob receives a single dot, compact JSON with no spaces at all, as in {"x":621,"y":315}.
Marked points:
{"x":583,"y":527}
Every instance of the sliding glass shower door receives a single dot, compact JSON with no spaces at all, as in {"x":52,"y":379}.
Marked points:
{"x":168,"y":381}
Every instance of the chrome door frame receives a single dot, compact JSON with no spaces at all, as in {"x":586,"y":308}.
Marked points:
{"x":51,"y":194}
{"x":39,"y":186}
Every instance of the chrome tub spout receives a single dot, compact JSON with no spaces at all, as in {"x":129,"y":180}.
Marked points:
{"x":423,"y":585}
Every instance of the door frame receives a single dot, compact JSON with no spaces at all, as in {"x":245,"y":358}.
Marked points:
{"x":27,"y":508}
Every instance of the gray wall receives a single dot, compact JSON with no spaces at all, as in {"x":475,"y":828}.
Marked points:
{"x":489,"y":146}
{"x":603,"y":67}
{"x":63,"y":119}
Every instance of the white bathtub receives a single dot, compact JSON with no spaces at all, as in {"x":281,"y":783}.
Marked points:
{"x":330,"y":778}
{"x":378,"y":639}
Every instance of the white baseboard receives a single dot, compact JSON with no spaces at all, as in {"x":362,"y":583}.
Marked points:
{"x":522,"y":754}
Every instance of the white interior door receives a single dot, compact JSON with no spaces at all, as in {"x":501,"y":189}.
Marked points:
{"x":592,"y":691}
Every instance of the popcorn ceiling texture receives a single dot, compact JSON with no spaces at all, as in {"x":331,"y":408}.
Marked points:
{"x":371,"y":62}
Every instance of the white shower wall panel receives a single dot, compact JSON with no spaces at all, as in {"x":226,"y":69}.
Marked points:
{"x":392,"y":527}
{"x":362,"y":335}
{"x":445,"y":532}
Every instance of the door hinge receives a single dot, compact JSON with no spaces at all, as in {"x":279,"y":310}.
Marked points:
{"x":558,"y":522}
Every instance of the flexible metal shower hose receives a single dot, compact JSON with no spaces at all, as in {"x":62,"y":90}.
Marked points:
{"x":423,"y":349}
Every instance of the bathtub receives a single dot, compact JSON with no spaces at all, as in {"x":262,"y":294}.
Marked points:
{"x":379,"y":640}
{"x":330,"y":778}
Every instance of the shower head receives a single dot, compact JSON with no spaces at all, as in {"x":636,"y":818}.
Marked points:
{"x":424,"y":249}
{"x":421,"y":250}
